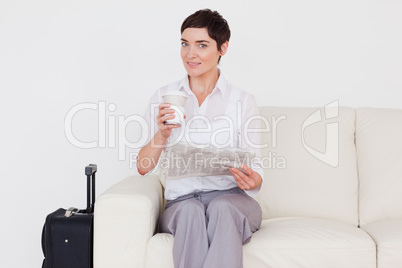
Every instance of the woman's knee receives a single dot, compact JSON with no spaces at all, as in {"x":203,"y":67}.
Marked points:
{"x":221,"y":204}
{"x":235,"y":206}
{"x":184,"y":212}
{"x":191,"y":206}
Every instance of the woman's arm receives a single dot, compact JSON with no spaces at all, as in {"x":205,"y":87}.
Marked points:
{"x":149,"y":155}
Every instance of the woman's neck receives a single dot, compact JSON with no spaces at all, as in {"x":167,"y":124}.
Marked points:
{"x":204,"y":84}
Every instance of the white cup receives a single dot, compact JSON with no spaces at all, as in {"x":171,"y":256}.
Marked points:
{"x":177,"y":102}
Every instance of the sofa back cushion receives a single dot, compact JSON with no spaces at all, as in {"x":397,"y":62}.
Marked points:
{"x":310,"y":163}
{"x":379,"y":151}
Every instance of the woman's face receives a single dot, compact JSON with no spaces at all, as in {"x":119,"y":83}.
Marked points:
{"x":199,"y":51}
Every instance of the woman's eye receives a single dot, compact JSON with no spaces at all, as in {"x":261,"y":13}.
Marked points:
{"x":203,"y":45}
{"x":184,"y":44}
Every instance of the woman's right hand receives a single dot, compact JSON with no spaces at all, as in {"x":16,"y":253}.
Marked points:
{"x":163,"y":115}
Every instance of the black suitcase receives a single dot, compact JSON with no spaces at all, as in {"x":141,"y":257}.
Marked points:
{"x":67,"y":236}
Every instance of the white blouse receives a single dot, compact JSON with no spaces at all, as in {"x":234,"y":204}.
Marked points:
{"x":225,"y":119}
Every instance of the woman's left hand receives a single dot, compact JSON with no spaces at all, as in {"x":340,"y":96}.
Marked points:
{"x":252,"y":181}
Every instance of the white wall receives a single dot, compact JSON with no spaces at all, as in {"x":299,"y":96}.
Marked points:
{"x":57,"y":54}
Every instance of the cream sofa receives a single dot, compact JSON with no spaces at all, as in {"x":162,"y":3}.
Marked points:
{"x":332,"y":197}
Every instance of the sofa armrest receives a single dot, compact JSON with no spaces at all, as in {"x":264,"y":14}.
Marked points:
{"x":125,"y":219}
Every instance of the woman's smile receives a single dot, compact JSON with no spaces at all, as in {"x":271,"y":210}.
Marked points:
{"x":193,"y":64}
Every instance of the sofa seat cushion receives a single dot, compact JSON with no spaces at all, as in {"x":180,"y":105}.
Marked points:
{"x":388,"y":237}
{"x":159,"y":251}
{"x":290,"y":242}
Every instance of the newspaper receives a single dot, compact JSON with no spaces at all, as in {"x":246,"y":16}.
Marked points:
{"x":183,"y":160}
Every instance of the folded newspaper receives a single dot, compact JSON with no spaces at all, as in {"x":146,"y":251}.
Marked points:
{"x":183,"y":160}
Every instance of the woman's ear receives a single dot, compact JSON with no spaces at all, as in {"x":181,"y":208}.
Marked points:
{"x":224,"y":48}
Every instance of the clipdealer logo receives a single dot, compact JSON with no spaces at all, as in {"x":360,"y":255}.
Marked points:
{"x":112,"y":131}
{"x":331,"y":154}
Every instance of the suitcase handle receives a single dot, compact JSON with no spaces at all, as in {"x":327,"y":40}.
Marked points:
{"x":90,"y":170}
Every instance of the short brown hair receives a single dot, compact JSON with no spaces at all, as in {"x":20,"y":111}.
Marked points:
{"x":217,"y":27}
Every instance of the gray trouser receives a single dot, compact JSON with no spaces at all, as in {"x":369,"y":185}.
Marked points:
{"x":211,"y":227}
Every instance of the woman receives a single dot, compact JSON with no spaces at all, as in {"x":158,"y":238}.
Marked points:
{"x":211,"y":217}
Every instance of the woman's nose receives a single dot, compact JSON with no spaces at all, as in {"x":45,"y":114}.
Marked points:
{"x":191,"y":53}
